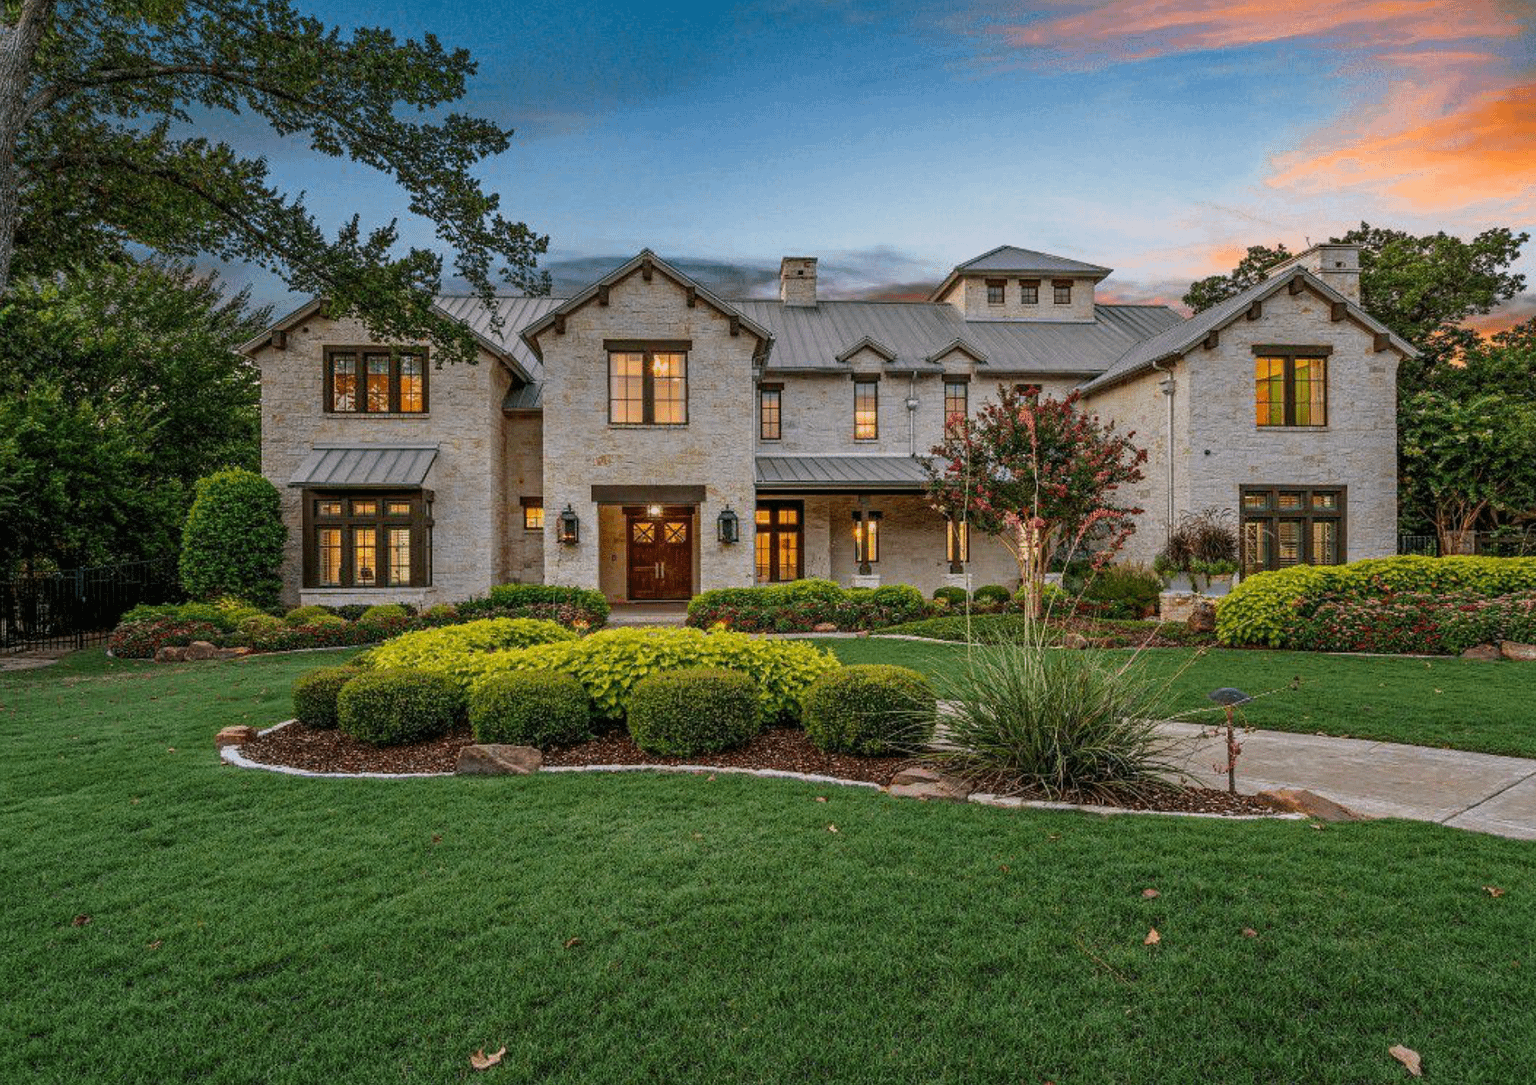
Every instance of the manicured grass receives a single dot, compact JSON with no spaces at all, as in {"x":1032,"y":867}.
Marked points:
{"x":250,"y":927}
{"x":1454,"y":703}
{"x":985,"y":627}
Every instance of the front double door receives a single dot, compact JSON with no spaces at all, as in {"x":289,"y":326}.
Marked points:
{"x":659,"y":542}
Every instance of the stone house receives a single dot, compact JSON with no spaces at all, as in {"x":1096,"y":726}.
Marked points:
{"x":653,"y":440}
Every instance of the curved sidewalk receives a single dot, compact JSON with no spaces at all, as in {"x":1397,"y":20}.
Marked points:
{"x":1478,"y":791}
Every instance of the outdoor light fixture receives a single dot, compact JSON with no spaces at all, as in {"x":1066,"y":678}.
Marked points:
{"x":570,"y":527}
{"x":728,"y":525}
{"x":653,"y":510}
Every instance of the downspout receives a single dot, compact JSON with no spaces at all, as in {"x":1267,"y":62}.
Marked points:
{"x":1168,"y":386}
{"x":912,"y":415}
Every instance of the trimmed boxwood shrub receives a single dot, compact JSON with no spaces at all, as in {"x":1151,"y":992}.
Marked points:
{"x":696,"y":710}
{"x":610,"y":663}
{"x":315,"y":693}
{"x":991,"y":594}
{"x":451,"y":649}
{"x":232,"y":543}
{"x":520,"y":596}
{"x":382,"y":611}
{"x":801,"y":605}
{"x":304,"y":614}
{"x":393,"y":708}
{"x":530,"y":708}
{"x":954,"y":597}
{"x":871,"y":709}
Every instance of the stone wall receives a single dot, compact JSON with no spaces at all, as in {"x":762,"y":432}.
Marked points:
{"x":912,"y":545}
{"x":522,"y":457}
{"x":463,"y":419}
{"x":969,"y":295}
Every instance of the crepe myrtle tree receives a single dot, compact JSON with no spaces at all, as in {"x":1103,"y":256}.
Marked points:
{"x":1037,"y":472}
{"x":104,"y":110}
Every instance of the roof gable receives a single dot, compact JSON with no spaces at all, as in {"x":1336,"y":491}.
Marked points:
{"x":956,"y":346}
{"x":871,"y":344}
{"x":1012,"y":260}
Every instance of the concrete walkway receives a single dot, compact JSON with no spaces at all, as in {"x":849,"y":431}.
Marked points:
{"x":1477,"y":791}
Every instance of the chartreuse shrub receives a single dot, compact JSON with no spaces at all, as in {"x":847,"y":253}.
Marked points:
{"x":1265,"y":606}
{"x":315,"y":693}
{"x":608,"y":664}
{"x":306,"y":614}
{"x":451,"y":649}
{"x":393,"y":708}
{"x":696,"y":710}
{"x":232,"y":542}
{"x":872,"y":709}
{"x":383,"y":611}
{"x":530,"y":708}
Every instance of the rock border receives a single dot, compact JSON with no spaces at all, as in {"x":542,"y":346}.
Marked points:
{"x":231,"y":755}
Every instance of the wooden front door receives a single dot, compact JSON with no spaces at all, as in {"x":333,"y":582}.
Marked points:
{"x":660,"y":553}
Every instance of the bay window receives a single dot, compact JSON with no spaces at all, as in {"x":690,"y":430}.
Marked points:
{"x":367,"y":540}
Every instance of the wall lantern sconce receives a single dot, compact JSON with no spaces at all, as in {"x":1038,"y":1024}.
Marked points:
{"x":728,"y":525}
{"x":570,"y":527}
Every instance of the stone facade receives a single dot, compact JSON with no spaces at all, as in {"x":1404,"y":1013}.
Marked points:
{"x":969,"y":295}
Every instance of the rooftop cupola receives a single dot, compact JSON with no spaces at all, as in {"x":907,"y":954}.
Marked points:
{"x":797,"y":280}
{"x":1010,"y":283}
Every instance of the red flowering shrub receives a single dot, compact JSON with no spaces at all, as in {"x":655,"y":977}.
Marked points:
{"x":1413,"y":623}
{"x":141,"y":640}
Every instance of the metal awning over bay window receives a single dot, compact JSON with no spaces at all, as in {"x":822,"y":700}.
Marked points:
{"x":367,"y":517}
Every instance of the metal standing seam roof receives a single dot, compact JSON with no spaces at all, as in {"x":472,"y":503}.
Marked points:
{"x":1014,"y":259}
{"x":812,"y":337}
{"x":516,"y":313}
{"x":357,"y":466}
{"x":823,"y":472}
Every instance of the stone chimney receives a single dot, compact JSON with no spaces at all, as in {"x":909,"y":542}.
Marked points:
{"x":1338,"y":265}
{"x":797,"y":280}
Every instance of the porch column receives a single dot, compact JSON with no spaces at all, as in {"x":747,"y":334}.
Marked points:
{"x":863,"y":539}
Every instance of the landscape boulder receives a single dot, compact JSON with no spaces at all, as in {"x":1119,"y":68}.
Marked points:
{"x":234,"y":736}
{"x":169,"y":654}
{"x":199,"y":650}
{"x":824,"y":627}
{"x":1482,"y":651}
{"x":498,"y":759}
{"x":929,"y":785}
{"x":1202,"y":618}
{"x":1074,"y":640}
{"x":1300,"y":801}
{"x":1520,"y":653}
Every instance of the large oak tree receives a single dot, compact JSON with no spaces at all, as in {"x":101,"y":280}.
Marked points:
{"x":104,"y":110}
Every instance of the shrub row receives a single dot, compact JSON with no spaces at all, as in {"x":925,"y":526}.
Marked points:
{"x":801,"y":605}
{"x":1410,"y":623}
{"x":450,"y":650}
{"x":1267,"y":607}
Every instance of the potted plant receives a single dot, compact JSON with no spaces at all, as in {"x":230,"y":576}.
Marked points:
{"x":1201,"y":553}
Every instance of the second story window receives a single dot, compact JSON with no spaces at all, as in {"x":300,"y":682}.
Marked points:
{"x":378,"y":381}
{"x":770,"y":404}
{"x":1029,"y":291}
{"x":995,"y":291}
{"x":1290,"y":389}
{"x":1062,"y":288}
{"x":956,"y":405}
{"x":647,"y":387}
{"x":866,"y":410}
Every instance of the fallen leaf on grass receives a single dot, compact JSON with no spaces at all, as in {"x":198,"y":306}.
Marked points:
{"x":1408,"y":1057}
{"x":821,"y":798}
{"x":1493,"y":891}
{"x":1150,"y":893}
{"x":79,"y":921}
{"x":481,"y":1061}
{"x":710,"y":778}
{"x":1249,"y":932}
{"x":698,"y":836}
{"x":156,"y":944}
{"x":572,"y":943}
{"x":831,"y":828}
{"x":437,"y":838}
{"x":1003,"y":867}
{"x":171,"y":749}
{"x":1152,"y":938}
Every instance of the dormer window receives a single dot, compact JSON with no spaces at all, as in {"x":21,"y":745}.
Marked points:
{"x":1029,"y":291}
{"x":1062,"y":288}
{"x":995,"y":291}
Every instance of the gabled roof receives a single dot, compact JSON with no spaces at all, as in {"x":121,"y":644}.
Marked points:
{"x":1179,"y":339}
{"x":1012,"y":260}
{"x":953,"y":345}
{"x":868,"y":343}
{"x":640,"y":262}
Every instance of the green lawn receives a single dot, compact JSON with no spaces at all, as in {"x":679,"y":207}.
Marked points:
{"x":1454,"y":703}
{"x":249,"y":927}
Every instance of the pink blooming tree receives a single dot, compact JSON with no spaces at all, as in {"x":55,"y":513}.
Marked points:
{"x":1037,"y":473}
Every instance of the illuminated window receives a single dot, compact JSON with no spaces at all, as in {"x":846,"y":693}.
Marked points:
{"x":957,"y":541}
{"x":399,"y":539}
{"x":375,"y":382}
{"x":365,"y":556}
{"x":1283,"y":526}
{"x":1029,"y":291}
{"x":372,"y":542}
{"x":866,"y":410}
{"x":770,"y":404}
{"x":329,"y":552}
{"x":533,"y":514}
{"x":1290,"y":390}
{"x":647,"y":387}
{"x":956,"y":405}
{"x":777,"y":548}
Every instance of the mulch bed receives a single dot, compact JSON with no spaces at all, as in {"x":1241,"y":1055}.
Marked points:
{"x":786,"y":749}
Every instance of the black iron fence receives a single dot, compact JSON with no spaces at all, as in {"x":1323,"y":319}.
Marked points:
{"x":1508,"y":543}
{"x":80,"y":606}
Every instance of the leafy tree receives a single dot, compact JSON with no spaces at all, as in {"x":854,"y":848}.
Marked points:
{"x":118,"y":390}
{"x":1422,"y":287}
{"x":233,"y":541}
{"x":1037,"y":473}
{"x":102,"y":103}
{"x":1467,"y":460}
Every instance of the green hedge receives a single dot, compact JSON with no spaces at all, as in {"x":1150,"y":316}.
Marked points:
{"x":608,"y":664}
{"x":232,"y":542}
{"x":513,"y":596}
{"x":698,"y":710}
{"x":530,"y":708}
{"x":453,"y":649}
{"x":393,"y":708}
{"x":801,"y":605}
{"x":873,"y":710}
{"x":953,"y":597}
{"x":1263,"y":608}
{"x":991,"y":593}
{"x":315,"y":693}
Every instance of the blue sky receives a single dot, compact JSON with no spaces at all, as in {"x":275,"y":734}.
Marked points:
{"x":1154,"y":136}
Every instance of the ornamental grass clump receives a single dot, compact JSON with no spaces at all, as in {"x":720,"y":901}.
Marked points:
{"x":1023,"y":716}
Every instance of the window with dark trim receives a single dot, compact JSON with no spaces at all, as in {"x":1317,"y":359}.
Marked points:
{"x":1029,"y":291}
{"x":866,"y":410}
{"x":648,"y":387}
{"x":956,"y":405}
{"x":770,"y":407}
{"x":778,"y":544}
{"x":1061,"y":290}
{"x":362,"y":539}
{"x":533,"y":513}
{"x":996,"y":288}
{"x":1290,"y":386}
{"x":375,"y":380}
{"x":1282,"y":526}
